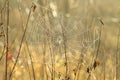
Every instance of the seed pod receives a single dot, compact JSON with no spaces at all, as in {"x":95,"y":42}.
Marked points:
{"x":65,"y":63}
{"x":88,"y":70}
{"x":96,"y":63}
{"x":34,"y":7}
{"x":1,"y":24}
{"x":75,"y":70}
{"x":59,"y":75}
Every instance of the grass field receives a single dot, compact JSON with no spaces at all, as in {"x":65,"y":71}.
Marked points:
{"x":59,"y":39}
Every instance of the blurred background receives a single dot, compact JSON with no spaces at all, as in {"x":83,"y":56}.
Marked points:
{"x":56,"y":28}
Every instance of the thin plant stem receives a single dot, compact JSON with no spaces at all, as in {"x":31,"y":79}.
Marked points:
{"x":49,"y":35}
{"x":6,"y":63}
{"x":31,"y":61}
{"x":117,"y":52}
{"x":97,"y":51}
{"x":3,"y":33}
{"x":44,"y":60}
{"x":65,"y":51}
{"x":29,"y":53}
{"x":21,"y":42}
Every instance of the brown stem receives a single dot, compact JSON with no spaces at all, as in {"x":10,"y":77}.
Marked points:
{"x":65,"y":50}
{"x":97,"y":51}
{"x":21,"y":42}
{"x":6,"y":63}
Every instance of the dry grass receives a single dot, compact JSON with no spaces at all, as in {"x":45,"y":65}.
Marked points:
{"x":59,"y":40}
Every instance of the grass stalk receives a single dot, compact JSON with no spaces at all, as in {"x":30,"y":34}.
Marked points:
{"x":94,"y":63}
{"x":17,"y":58}
{"x":65,"y":50}
{"x":117,"y":55}
{"x":6,"y":61}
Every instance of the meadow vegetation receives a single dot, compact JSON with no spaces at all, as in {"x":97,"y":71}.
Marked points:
{"x":59,"y":40}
